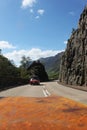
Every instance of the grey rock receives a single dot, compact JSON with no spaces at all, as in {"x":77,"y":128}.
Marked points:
{"x":73,"y":67}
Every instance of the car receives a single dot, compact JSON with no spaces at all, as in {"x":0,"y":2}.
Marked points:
{"x":34,"y":81}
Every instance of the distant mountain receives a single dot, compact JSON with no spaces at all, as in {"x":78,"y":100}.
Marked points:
{"x":52,"y":65}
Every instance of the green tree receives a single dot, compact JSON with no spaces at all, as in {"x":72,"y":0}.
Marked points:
{"x":25,"y":61}
{"x":0,"y":51}
{"x":9,"y":74}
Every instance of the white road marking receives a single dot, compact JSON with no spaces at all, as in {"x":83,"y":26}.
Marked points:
{"x":45,"y":91}
{"x":45,"y":94}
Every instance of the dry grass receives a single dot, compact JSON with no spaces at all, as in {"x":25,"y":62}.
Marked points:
{"x":52,"y":113}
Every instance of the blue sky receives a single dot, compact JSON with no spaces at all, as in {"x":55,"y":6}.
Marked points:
{"x":37,"y":28}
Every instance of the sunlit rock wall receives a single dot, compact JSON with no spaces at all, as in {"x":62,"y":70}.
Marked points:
{"x":73,"y":68}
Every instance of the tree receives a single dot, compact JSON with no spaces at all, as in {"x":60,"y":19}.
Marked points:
{"x":0,"y":51}
{"x":25,"y":62}
{"x":9,"y":74}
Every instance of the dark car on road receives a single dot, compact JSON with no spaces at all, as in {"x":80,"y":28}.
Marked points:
{"x":34,"y":81}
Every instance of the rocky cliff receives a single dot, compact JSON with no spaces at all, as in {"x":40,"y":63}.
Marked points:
{"x":73,"y":68}
{"x":38,"y":69}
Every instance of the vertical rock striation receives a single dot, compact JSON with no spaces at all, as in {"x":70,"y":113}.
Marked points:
{"x":73,"y":68}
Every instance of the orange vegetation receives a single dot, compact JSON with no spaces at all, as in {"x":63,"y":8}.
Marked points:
{"x":51,"y":113}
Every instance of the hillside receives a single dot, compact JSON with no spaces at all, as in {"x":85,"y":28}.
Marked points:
{"x":73,"y":68}
{"x":52,"y":65}
{"x":10,"y":75}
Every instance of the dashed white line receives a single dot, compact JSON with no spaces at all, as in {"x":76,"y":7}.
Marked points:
{"x":45,"y":94}
{"x":48,"y":93}
{"x":45,"y":91}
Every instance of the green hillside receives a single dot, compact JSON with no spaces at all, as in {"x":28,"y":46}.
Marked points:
{"x":52,"y":65}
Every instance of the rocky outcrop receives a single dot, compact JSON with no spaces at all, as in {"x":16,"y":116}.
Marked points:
{"x":73,"y":68}
{"x":38,"y":69}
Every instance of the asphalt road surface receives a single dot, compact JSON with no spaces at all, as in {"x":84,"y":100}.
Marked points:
{"x":26,"y":91}
{"x":46,"y":89}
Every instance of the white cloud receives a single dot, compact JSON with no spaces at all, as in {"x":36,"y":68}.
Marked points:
{"x":31,"y":11}
{"x":6,"y":45}
{"x":40,"y":11}
{"x":37,"y":17}
{"x":72,"y":13}
{"x":34,"y":54}
{"x":65,"y":42}
{"x":28,"y":3}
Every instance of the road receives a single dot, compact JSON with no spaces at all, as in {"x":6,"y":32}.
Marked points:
{"x":46,"y":89}
{"x":27,"y":91}
{"x":67,"y":92}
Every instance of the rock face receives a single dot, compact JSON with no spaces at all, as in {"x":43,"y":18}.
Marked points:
{"x":73,"y":68}
{"x":38,"y":69}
